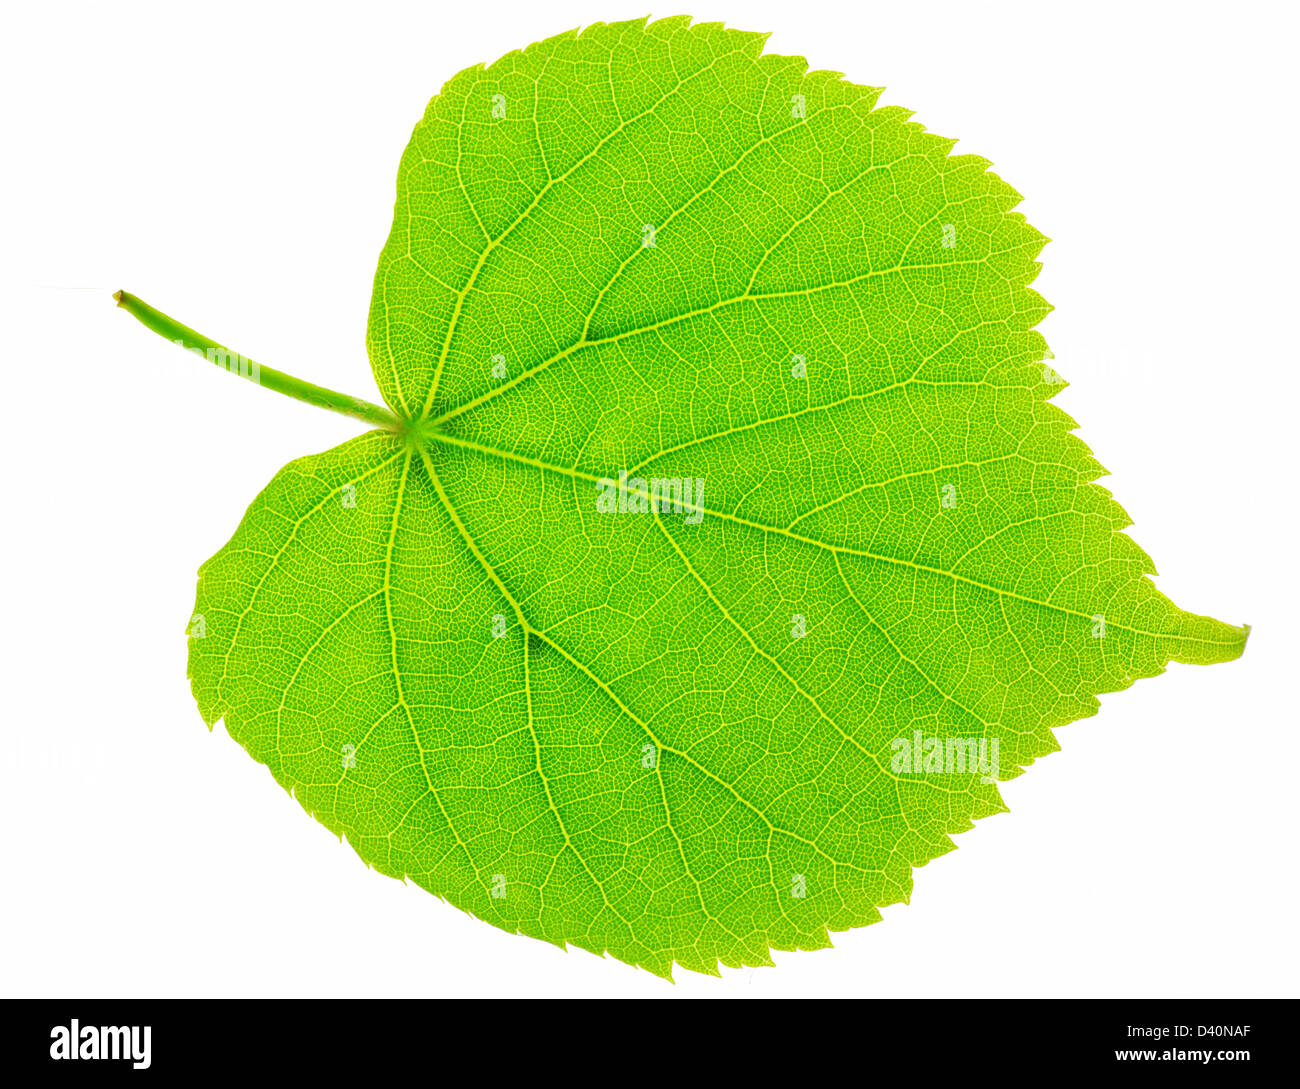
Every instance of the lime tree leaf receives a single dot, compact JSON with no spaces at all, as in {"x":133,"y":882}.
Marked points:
{"x":726,"y":549}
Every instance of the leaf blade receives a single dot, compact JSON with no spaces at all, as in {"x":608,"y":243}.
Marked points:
{"x":668,"y":739}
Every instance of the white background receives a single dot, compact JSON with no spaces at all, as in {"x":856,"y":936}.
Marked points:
{"x":236,"y":168}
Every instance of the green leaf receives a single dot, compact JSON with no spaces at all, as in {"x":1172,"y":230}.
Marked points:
{"x":682,"y":735}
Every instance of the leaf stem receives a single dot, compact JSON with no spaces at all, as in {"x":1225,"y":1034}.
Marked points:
{"x":269,"y":377}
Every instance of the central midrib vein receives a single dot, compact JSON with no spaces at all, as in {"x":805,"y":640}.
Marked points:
{"x":838,"y":550}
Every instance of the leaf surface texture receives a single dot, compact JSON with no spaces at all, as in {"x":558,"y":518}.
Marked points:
{"x":601,"y":729}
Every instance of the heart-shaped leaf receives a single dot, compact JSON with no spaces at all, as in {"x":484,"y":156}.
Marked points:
{"x":725,"y":549}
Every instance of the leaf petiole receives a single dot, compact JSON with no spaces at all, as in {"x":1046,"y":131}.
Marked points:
{"x":244,"y":367}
